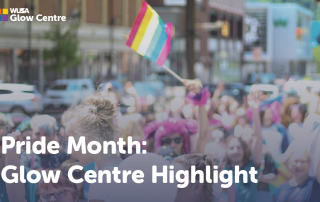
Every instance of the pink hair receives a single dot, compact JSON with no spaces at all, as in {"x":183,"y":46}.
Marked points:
{"x":158,"y":130}
{"x":275,"y":109}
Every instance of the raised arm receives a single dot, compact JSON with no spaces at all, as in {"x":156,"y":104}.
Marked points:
{"x":16,"y":191}
{"x":216,"y":95}
{"x":254,"y":103}
{"x":132,"y":91}
{"x":203,"y":130}
{"x":317,"y":158}
{"x":195,"y":86}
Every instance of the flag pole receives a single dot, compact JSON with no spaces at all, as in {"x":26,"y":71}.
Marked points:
{"x":173,"y":73}
{"x":165,"y":67}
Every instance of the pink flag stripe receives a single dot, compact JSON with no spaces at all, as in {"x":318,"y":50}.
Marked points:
{"x":166,"y":48}
{"x":137,"y":23}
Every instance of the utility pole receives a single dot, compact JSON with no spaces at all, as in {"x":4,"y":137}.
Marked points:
{"x":30,"y":5}
{"x":190,"y":36}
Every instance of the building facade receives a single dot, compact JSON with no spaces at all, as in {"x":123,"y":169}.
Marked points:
{"x":103,"y":24}
{"x":219,"y":51}
{"x":277,"y":39}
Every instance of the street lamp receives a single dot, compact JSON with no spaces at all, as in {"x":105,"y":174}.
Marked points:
{"x":113,"y":22}
{"x":30,"y":6}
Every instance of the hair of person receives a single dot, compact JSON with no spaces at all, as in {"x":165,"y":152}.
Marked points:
{"x":303,"y":109}
{"x":262,"y":113}
{"x":45,"y":122}
{"x":246,"y":148}
{"x":160,"y":129}
{"x":68,"y":164}
{"x":4,"y":124}
{"x":63,"y":184}
{"x":200,"y":162}
{"x":286,"y":110}
{"x":94,"y":119}
{"x":133,"y":129}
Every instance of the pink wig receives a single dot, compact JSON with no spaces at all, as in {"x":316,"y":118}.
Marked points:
{"x":158,"y":130}
{"x":275,"y":109}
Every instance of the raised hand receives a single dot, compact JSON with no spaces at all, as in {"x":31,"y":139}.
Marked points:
{"x":253,"y":99}
{"x":128,"y":87}
{"x":220,"y":86}
{"x":194,"y":86}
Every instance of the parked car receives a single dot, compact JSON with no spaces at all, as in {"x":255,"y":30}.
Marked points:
{"x":20,"y":98}
{"x":67,"y":92}
{"x":154,"y":88}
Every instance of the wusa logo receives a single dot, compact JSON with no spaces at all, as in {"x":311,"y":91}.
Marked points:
{"x":4,"y":14}
{"x":15,"y":15}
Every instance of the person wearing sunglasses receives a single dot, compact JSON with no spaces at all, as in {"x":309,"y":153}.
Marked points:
{"x":63,"y":191}
{"x":175,"y":132}
{"x":15,"y":191}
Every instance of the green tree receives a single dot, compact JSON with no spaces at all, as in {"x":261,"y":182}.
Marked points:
{"x":65,"y":45}
{"x":316,"y":54}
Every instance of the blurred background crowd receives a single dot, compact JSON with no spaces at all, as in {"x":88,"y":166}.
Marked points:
{"x":255,"y":102}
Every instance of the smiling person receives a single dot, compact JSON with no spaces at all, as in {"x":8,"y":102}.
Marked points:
{"x":274,"y":133}
{"x":302,"y":187}
{"x":239,"y":154}
{"x":303,"y":160}
{"x":95,"y":120}
{"x":298,"y":114}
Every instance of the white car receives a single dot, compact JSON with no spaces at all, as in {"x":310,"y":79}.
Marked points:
{"x":67,"y":92}
{"x":20,"y":98}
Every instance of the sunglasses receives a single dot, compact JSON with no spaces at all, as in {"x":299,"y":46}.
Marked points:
{"x":167,"y":141}
{"x":110,"y":89}
{"x":57,"y":195}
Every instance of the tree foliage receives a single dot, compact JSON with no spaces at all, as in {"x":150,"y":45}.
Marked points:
{"x":65,"y":45}
{"x":316,"y":54}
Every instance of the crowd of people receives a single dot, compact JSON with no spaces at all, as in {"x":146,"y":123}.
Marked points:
{"x":279,"y":137}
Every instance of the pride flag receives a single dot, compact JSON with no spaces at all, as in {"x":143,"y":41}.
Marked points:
{"x":149,"y":36}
